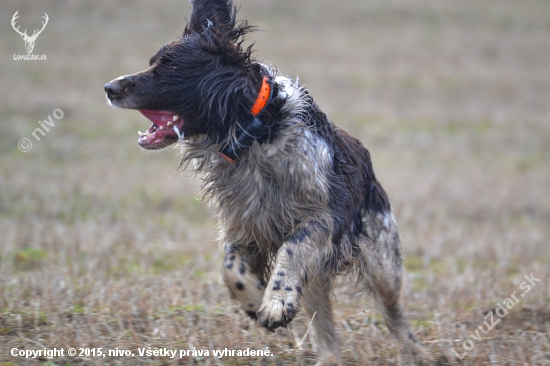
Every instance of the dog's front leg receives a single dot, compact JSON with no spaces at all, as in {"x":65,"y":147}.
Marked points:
{"x":244,"y":285}
{"x":303,"y":254}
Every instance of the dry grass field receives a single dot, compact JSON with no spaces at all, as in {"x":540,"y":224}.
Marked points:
{"x":105,"y":245}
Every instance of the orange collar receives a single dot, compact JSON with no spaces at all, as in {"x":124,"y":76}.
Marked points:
{"x":263,"y":97}
{"x":252,"y":131}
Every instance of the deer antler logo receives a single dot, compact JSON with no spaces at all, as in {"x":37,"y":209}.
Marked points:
{"x":29,"y":41}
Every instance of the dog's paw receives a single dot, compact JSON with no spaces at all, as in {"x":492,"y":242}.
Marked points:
{"x":328,"y":360}
{"x":276,"y":312}
{"x":252,"y":315}
{"x":413,"y":353}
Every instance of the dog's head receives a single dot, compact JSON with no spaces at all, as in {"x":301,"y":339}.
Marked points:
{"x":196,"y":85}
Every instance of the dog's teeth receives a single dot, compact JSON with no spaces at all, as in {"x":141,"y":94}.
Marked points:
{"x":174,"y":118}
{"x":161,"y":128}
{"x":140,"y":133}
{"x":169,"y":123}
{"x":180,"y":134}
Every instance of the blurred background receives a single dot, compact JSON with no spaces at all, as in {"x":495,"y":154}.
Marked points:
{"x":105,"y":245}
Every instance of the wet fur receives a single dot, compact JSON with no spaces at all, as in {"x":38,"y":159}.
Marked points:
{"x":296,"y":208}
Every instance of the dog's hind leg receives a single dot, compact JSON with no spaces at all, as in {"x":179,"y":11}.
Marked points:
{"x":382,"y":272}
{"x":316,"y":302}
{"x":244,"y":285}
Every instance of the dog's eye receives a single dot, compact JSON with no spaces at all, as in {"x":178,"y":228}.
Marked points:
{"x":171,"y":67}
{"x":169,"y":63}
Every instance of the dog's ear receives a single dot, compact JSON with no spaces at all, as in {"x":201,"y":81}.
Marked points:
{"x":207,"y":13}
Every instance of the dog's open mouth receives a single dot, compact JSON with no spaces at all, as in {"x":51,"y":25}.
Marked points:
{"x":165,"y":130}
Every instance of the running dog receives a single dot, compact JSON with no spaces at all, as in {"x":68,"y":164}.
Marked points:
{"x":297,"y":198}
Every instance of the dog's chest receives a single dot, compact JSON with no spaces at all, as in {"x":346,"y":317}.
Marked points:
{"x":275,"y":187}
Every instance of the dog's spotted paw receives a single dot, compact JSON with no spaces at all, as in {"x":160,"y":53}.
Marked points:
{"x":276,"y":312}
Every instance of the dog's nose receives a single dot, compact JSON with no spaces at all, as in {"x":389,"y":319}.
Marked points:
{"x":115,"y":88}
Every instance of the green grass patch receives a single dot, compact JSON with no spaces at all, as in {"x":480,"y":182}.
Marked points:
{"x":29,"y":258}
{"x":78,"y":309}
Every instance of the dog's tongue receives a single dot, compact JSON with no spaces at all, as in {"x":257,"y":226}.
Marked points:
{"x":160,"y":118}
{"x":166,"y":129}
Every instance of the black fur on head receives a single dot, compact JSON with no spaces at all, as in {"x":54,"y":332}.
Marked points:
{"x":206,"y":77}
